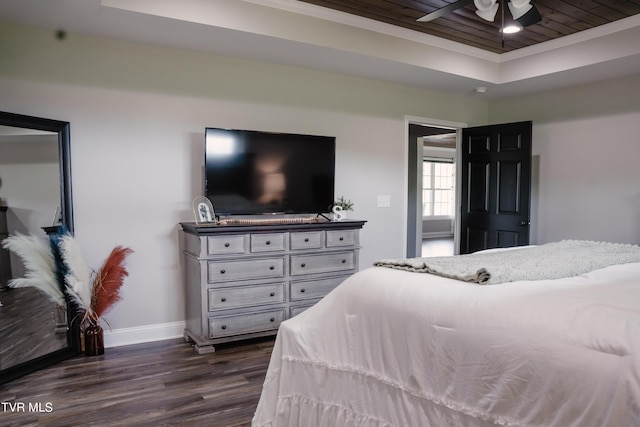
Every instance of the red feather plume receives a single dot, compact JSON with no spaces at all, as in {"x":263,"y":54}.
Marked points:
{"x":108,"y":281}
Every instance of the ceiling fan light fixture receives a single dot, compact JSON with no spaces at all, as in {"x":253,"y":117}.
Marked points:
{"x":518,"y":11}
{"x":524,"y":13}
{"x":488,"y":15}
{"x":486,"y":9}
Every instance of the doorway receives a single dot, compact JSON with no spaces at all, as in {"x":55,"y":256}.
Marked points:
{"x":492,"y":198}
{"x":433,"y":141}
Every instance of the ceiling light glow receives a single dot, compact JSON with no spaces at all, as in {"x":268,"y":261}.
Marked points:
{"x":511,"y":29}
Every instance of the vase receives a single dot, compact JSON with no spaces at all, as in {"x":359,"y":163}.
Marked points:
{"x":93,"y":340}
{"x":339,"y":213}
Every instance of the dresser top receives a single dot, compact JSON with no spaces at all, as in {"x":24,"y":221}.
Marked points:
{"x":267,"y":226}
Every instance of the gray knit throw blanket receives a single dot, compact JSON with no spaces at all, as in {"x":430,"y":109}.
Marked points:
{"x":549,"y":261}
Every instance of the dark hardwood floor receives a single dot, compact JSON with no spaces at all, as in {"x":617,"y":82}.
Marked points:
{"x":155,"y":384}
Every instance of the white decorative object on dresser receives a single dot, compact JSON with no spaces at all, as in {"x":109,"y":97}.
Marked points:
{"x":244,"y":279}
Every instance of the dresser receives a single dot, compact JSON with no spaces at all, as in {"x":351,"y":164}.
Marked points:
{"x":242,"y":281}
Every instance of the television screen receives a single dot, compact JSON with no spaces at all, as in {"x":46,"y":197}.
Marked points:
{"x":252,"y":172}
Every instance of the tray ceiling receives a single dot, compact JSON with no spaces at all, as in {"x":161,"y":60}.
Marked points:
{"x":303,"y":33}
{"x":559,"y":18}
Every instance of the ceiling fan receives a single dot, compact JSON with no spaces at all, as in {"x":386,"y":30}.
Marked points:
{"x":523,"y":12}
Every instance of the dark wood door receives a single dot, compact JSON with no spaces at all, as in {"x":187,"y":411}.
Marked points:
{"x":496,"y":186}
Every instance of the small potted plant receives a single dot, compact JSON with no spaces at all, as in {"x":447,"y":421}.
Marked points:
{"x":340,"y":208}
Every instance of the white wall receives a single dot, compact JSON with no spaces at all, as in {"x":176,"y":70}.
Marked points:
{"x":586,"y":148}
{"x":138,"y":115}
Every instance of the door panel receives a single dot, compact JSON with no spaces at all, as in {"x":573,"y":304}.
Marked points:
{"x":507,"y":239}
{"x":478,"y":184}
{"x":496,"y":177}
{"x":479,"y":144}
{"x":509,"y":182}
{"x":475,"y":239}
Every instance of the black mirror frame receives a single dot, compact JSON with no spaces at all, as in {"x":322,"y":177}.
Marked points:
{"x":66,"y":207}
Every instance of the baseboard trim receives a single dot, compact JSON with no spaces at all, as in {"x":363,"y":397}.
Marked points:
{"x":143,"y":334}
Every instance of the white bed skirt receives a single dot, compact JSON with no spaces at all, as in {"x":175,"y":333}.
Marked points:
{"x":320,"y":390}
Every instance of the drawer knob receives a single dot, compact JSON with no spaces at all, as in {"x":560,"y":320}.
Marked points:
{"x":272,"y":268}
{"x":303,"y":265}
{"x":268,"y":242}
{"x":223,"y":299}
{"x":273,"y":319}
{"x":226,"y":245}
{"x":344,"y":261}
{"x":223,"y":271}
{"x":303,"y":290}
{"x":306,"y":239}
{"x":272,"y":294}
{"x":224,"y":326}
{"x":341,"y":238}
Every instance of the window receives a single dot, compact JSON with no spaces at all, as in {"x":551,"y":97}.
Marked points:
{"x":438,"y":180}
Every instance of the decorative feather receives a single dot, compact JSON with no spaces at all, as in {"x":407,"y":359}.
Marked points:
{"x":78,"y":273}
{"x":59,"y":266}
{"x":39,"y":265}
{"x":108,"y":281}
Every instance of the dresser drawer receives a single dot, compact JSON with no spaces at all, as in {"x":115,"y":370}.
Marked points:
{"x":322,"y":263}
{"x":245,"y":296}
{"x":267,"y":242}
{"x":294,"y":311}
{"x":223,"y":326}
{"x":337,"y":238}
{"x":306,"y":240}
{"x":306,"y":289}
{"x":245,"y":269}
{"x":221,"y":245}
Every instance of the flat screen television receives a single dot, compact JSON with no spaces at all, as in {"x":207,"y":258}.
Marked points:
{"x":257,"y":173}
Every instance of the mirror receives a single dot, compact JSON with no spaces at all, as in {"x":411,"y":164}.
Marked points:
{"x":35,"y":197}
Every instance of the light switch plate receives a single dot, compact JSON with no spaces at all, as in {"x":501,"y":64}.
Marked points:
{"x":384,"y":201}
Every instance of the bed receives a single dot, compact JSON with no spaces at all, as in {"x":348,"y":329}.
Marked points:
{"x":393,"y":346}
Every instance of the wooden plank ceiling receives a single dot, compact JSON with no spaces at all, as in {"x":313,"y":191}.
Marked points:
{"x":559,"y":18}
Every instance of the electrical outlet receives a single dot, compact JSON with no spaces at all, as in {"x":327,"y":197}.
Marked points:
{"x":384,"y":201}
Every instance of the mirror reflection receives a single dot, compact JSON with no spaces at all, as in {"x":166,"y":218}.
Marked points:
{"x":31,"y":325}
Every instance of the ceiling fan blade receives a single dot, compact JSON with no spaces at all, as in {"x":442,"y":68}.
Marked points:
{"x":445,"y":10}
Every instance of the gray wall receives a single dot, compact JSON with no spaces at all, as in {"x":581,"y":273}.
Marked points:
{"x":138,"y":115}
{"x":586,"y":148}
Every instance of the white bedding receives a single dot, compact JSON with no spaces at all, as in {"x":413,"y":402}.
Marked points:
{"x":549,"y":261}
{"x":396,"y":348}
